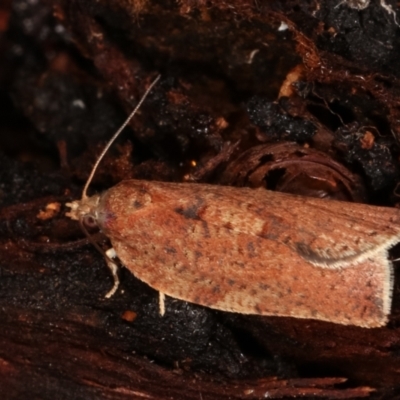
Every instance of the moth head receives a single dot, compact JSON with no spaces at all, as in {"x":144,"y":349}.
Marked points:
{"x":84,"y":210}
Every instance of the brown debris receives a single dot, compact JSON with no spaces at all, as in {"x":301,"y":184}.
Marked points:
{"x":50,"y":211}
{"x":367,"y":141}
{"x":129,"y":316}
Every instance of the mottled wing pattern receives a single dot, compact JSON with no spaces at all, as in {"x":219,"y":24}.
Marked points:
{"x":255,"y":251}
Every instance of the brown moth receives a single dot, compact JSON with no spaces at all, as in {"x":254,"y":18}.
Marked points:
{"x":250,"y":251}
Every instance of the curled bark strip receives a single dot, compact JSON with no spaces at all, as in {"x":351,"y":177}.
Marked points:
{"x":289,"y":167}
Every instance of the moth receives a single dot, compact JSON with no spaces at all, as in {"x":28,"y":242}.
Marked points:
{"x":250,"y":251}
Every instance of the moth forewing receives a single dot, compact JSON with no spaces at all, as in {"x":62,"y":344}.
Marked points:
{"x":255,"y":251}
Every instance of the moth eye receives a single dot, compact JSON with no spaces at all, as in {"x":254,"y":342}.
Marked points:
{"x":90,"y":221}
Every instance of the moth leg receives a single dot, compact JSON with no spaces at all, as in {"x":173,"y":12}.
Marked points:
{"x":110,"y":253}
{"x":161,"y":303}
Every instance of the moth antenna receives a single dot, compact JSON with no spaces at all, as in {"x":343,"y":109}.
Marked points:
{"x":116,"y":134}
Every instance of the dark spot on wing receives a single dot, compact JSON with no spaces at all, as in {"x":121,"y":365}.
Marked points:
{"x":274,"y":228}
{"x":269,"y":236}
{"x":188,"y":213}
{"x":206,"y":231}
{"x":263,"y":286}
{"x":228,"y":225}
{"x":193,"y":211}
{"x":216,"y":289}
{"x":137,"y":204}
{"x":182,"y":269}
